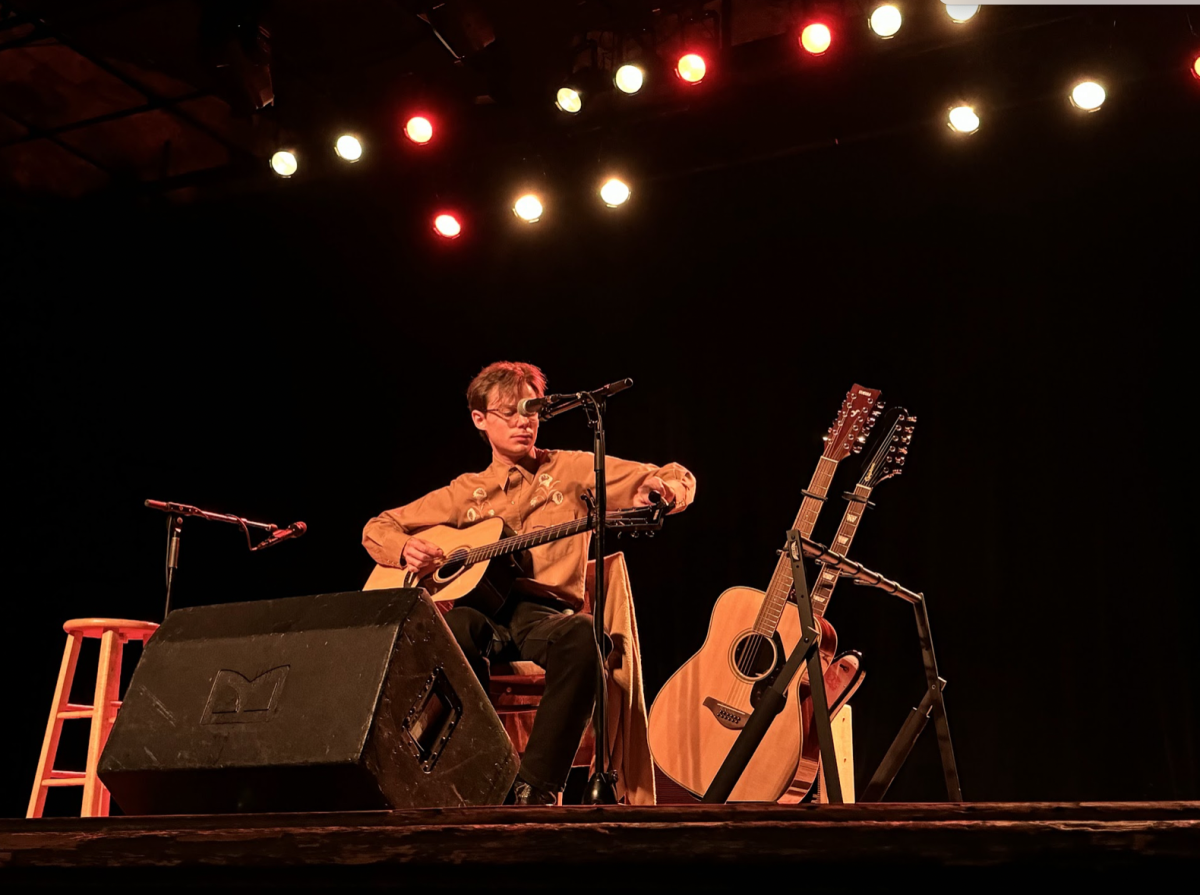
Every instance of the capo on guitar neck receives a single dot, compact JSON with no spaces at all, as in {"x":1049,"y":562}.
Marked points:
{"x":808,"y":493}
{"x":854,"y":498}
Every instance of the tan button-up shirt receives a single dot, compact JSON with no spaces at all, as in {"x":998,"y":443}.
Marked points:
{"x":528,"y":501}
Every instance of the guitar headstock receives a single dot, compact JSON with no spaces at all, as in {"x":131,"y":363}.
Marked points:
{"x":853,"y":424}
{"x":891,"y":450}
{"x":639,"y":519}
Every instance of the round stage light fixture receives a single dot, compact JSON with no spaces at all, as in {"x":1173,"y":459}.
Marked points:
{"x":614,"y":192}
{"x":419,"y":129}
{"x":964,"y":120}
{"x":885,"y":20}
{"x":348,"y":148}
{"x":568,"y":100}
{"x":815,"y":38}
{"x":691,"y":68}
{"x":961,"y":12}
{"x":284,"y":163}
{"x":629,"y":79}
{"x":447,"y":225}
{"x":1196,"y":68}
{"x":528,"y":208}
{"x":1088,"y":96}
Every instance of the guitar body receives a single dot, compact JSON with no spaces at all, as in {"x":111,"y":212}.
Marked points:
{"x":483,"y":585}
{"x":700,"y":711}
{"x":843,"y":677}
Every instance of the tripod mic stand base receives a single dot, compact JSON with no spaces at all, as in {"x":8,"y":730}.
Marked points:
{"x":601,"y":790}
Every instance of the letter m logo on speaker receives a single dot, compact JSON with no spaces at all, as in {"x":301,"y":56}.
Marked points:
{"x":236,"y":699}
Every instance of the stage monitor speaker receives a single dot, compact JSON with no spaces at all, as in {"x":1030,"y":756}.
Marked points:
{"x":347,"y":701}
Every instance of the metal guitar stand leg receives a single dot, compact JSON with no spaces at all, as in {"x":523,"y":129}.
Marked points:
{"x":772,"y":700}
{"x":906,"y":737}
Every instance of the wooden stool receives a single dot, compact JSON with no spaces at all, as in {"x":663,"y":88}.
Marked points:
{"x":112,"y":634}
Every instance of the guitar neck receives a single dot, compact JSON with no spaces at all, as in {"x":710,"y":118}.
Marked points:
{"x":823,"y":589}
{"x":781,"y":582}
{"x":517,"y":543}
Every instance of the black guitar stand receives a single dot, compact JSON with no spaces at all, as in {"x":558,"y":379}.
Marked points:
{"x":806,"y":651}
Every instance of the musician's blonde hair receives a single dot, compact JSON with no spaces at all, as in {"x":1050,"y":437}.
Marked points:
{"x":508,"y":379}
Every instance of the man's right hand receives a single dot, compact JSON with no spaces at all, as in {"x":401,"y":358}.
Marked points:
{"x":421,"y":556}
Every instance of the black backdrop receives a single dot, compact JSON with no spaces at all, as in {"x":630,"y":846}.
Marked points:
{"x":303,"y":354}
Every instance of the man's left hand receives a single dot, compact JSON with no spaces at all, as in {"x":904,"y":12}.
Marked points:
{"x":652,"y":483}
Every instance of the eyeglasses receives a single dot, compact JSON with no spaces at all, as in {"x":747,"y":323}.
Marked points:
{"x":510,"y":416}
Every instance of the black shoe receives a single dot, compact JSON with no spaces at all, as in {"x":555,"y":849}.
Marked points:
{"x":525,"y":794}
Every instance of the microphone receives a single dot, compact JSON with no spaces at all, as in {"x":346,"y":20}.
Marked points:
{"x":281,"y":534}
{"x":552,"y":405}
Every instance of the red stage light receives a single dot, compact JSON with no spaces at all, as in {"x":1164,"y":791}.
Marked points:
{"x":447,"y":225}
{"x":1196,"y":67}
{"x":815,"y":38}
{"x":418,"y":129}
{"x":691,"y":68}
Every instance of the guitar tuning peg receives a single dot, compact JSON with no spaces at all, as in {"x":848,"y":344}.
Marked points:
{"x":857,"y":449}
{"x":861,"y":439}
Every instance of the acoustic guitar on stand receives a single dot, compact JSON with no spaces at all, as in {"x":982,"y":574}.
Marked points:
{"x":703,"y":707}
{"x":482,"y":561}
{"x":844,"y":676}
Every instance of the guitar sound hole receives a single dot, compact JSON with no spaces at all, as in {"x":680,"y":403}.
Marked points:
{"x":454,"y":564}
{"x":754,"y":656}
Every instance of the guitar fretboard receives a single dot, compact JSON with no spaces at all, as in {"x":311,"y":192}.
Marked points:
{"x":827,"y":578}
{"x":781,"y":582}
{"x":523,"y":542}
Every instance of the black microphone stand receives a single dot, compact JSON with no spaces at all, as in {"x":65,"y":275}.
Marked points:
{"x":176,"y":512}
{"x":601,"y":789}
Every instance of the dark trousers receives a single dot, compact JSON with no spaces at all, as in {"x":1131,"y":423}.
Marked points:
{"x":561,"y":642}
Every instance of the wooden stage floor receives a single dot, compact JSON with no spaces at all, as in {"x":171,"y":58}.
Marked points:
{"x":610,"y":848}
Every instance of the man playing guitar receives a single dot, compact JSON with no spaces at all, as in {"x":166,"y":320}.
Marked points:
{"x":529,"y":488}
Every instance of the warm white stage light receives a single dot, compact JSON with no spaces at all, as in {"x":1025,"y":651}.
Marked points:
{"x":885,"y":20}
{"x":1196,"y":68}
{"x":1088,"y":96}
{"x":447,"y":225}
{"x":815,"y":38}
{"x":961,"y":12}
{"x":528,"y":208}
{"x":568,"y":99}
{"x":629,"y":79}
{"x":347,"y":147}
{"x":691,"y":68}
{"x":964,"y":120}
{"x":284,"y":163}
{"x":615,"y":192}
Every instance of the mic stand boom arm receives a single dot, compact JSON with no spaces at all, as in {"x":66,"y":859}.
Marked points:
{"x":175,"y":513}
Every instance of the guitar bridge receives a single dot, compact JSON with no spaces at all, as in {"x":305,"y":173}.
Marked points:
{"x":727,"y":716}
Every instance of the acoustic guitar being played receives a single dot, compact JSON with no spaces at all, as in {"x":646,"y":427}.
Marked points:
{"x":481,"y":562}
{"x":703,"y":707}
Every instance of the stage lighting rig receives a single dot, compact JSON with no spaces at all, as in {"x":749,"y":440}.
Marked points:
{"x":885,"y":20}
{"x":691,"y":68}
{"x":447,"y":225}
{"x":348,"y":148}
{"x":615,"y":192}
{"x":816,"y":38}
{"x":284,"y":163}
{"x":1088,"y":96}
{"x":963,"y":119}
{"x":528,"y":208}
{"x":419,"y":129}
{"x":236,"y":40}
{"x":961,"y":12}
{"x":629,"y":78}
